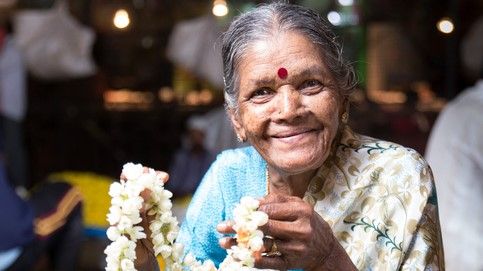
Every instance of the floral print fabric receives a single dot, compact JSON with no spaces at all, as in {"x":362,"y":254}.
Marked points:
{"x":380,"y":201}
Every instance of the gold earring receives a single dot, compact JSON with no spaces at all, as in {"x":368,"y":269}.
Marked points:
{"x":240,"y":139}
{"x":345,"y":117}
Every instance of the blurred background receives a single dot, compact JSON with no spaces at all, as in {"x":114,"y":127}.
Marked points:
{"x":112,"y":81}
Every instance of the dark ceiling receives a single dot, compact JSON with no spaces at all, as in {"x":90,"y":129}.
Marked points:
{"x":127,"y":61}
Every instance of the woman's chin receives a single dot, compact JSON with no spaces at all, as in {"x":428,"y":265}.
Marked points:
{"x":297,"y":163}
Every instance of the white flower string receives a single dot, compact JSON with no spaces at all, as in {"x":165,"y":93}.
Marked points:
{"x":124,"y":216}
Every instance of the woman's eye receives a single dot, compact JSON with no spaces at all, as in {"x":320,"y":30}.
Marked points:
{"x":261,"y":92}
{"x":310,"y":84}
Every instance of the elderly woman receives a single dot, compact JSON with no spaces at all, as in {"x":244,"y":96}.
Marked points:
{"x":336,"y":200}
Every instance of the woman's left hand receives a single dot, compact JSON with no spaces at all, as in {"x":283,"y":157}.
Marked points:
{"x":302,"y":237}
{"x":304,"y":240}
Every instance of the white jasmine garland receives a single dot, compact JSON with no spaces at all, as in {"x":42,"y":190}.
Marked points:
{"x":124,"y":215}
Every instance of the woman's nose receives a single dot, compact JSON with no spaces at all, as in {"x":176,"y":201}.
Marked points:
{"x":289,"y":105}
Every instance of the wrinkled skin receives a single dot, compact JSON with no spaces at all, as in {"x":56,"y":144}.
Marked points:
{"x":301,"y":235}
{"x":292,"y":122}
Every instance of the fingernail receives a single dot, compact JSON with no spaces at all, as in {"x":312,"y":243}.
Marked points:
{"x":222,"y":242}
{"x":221,"y":226}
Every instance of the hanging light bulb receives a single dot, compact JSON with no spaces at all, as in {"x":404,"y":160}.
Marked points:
{"x":121,"y":19}
{"x":220,"y":8}
{"x":445,"y":25}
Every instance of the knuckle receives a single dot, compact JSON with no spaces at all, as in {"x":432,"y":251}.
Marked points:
{"x":300,"y":249}
{"x":306,"y":210}
{"x":265,"y":208}
{"x":304,"y":232}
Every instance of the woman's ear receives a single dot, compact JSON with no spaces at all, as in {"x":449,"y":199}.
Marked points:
{"x":235,"y":121}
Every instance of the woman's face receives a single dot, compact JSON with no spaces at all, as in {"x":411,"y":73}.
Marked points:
{"x":290,"y":120}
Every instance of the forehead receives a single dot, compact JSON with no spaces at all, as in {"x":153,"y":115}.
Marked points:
{"x":289,"y":50}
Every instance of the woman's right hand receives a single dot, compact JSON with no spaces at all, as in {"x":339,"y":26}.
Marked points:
{"x":145,"y":258}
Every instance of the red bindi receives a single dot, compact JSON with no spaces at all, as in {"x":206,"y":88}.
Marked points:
{"x":282,"y":73}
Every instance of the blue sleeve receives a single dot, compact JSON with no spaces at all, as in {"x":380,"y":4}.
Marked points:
{"x":198,"y":231}
{"x":234,"y":174}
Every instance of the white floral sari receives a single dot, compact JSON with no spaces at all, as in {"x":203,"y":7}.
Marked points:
{"x":380,"y":200}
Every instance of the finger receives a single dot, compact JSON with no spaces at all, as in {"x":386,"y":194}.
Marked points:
{"x":227,"y":242}
{"x":280,"y":229}
{"x":225,"y":227}
{"x":145,"y":259}
{"x":145,"y":222}
{"x":276,"y":262}
{"x":148,"y":244}
{"x":288,"y":211}
{"x":289,"y":248}
{"x":290,"y":254}
{"x":267,"y":244}
{"x":146,"y":195}
{"x":162,"y":175}
{"x":276,"y":198}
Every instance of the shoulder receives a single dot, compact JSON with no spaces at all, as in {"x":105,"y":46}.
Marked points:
{"x":238,"y":160}
{"x":392,"y":191}
{"x":458,"y":129}
{"x":467,"y":105}
{"x":239,"y":156}
{"x":369,"y":159}
{"x":239,"y":172}
{"x":381,"y":152}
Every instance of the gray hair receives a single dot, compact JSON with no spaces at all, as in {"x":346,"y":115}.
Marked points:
{"x":261,"y":23}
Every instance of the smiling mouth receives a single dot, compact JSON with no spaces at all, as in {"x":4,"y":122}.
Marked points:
{"x":293,"y":134}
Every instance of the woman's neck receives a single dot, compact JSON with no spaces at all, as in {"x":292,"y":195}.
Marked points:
{"x":294,"y":185}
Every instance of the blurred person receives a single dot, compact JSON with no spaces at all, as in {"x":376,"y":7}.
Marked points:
{"x":191,"y":161}
{"x":48,"y":223}
{"x":455,"y":152}
{"x":13,"y":107}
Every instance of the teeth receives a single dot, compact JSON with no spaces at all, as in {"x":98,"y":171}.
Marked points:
{"x":294,"y":134}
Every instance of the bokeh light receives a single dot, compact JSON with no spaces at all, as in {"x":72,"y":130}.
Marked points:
{"x":220,"y":8}
{"x":334,"y":18}
{"x":346,"y":3}
{"x":121,"y":19}
{"x":445,"y":25}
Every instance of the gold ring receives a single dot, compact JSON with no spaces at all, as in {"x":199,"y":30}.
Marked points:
{"x":273,"y":250}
